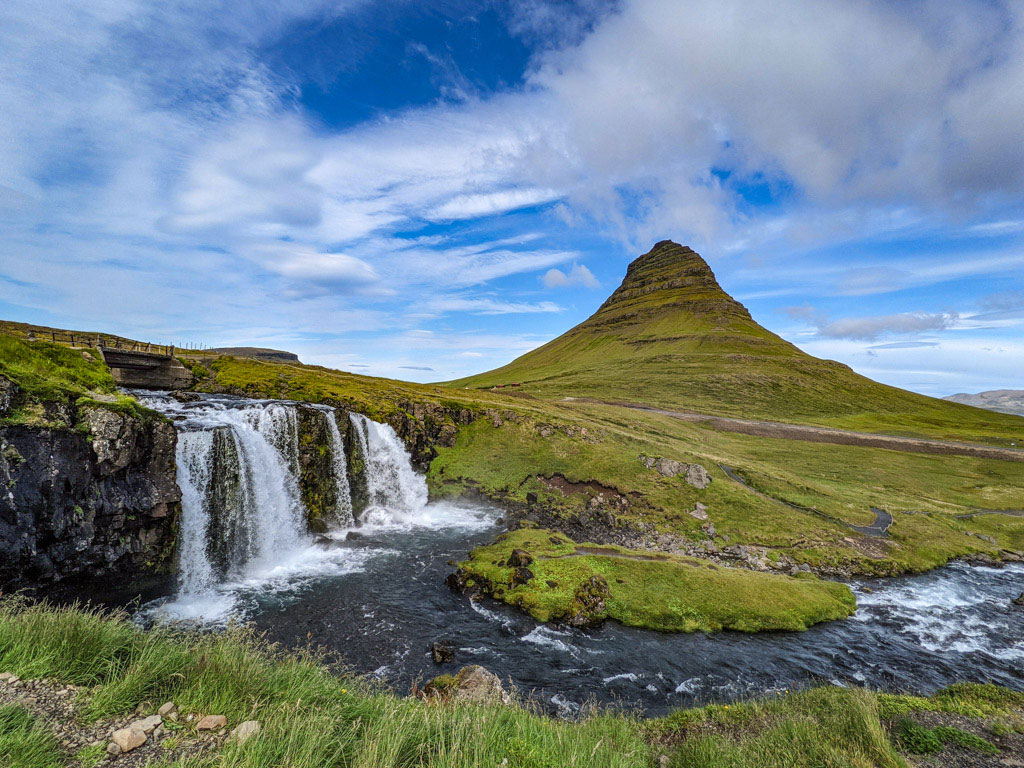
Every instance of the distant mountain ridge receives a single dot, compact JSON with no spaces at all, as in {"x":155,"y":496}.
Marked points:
{"x":670,"y":336}
{"x":1001,"y":400}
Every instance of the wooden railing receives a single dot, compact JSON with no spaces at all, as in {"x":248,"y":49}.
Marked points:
{"x":91,"y":340}
{"x":79,"y":340}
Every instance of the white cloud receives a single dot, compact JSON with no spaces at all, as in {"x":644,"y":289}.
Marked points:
{"x":870,"y":328}
{"x":486,"y":306}
{"x":578,"y":275}
{"x":490,"y":203}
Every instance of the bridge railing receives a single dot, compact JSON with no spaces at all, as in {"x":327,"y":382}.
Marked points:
{"x":92,"y":340}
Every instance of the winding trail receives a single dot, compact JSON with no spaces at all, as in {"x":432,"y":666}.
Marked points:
{"x":880,"y":527}
{"x":883,"y":519}
{"x":832,"y":435}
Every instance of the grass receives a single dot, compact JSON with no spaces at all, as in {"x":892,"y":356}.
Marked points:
{"x":24,"y":742}
{"x":671,"y":337}
{"x":311,"y":717}
{"x":317,"y":717}
{"x":833,"y":484}
{"x":922,"y":740}
{"x":51,"y":372}
{"x":48,"y":373}
{"x":809,"y":729}
{"x":670,"y":594}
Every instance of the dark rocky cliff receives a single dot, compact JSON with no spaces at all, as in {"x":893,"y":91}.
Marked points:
{"x":98,"y":500}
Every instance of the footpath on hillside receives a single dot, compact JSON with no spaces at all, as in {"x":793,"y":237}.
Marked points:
{"x":811,"y":434}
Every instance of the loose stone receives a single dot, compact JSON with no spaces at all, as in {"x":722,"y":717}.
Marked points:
{"x":128,"y":739}
{"x":211,"y":723}
{"x":246,"y":731}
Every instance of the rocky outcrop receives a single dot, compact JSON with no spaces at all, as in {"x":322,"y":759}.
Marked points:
{"x":588,"y":607}
{"x":99,"y":499}
{"x":472,"y":683}
{"x":425,"y":426}
{"x":694,"y":474}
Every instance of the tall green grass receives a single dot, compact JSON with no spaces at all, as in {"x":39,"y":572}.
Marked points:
{"x":312,"y":717}
{"x":316,"y":717}
{"x":24,"y":742}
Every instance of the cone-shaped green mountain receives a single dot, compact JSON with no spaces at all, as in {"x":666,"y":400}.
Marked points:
{"x":670,"y":336}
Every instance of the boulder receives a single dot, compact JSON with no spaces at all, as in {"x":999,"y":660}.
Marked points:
{"x":212,"y":723}
{"x":476,"y":684}
{"x":442,"y":652}
{"x":697,"y":476}
{"x":246,"y":731}
{"x":699,"y":511}
{"x":147,"y":725}
{"x":1019,"y":600}
{"x":588,"y":606}
{"x":521,"y":575}
{"x":669,"y":467}
{"x":519,"y":557}
{"x":127,"y":739}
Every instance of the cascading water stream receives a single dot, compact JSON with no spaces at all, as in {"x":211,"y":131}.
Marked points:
{"x":378,"y":598}
{"x":238,"y":467}
{"x":393,"y":487}
{"x":341,"y":484}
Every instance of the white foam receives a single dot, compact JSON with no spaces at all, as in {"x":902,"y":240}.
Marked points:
{"x":549,"y":638}
{"x":630,"y":676}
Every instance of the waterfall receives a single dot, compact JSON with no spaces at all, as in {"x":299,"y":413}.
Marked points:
{"x":344,"y":492}
{"x":243,"y":467}
{"x":241,"y":507}
{"x":392,"y":484}
{"x":194,"y":472}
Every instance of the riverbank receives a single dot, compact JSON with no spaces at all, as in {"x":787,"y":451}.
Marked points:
{"x":83,"y":673}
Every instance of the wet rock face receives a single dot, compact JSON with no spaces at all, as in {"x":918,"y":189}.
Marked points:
{"x":316,"y":466}
{"x":87,"y":504}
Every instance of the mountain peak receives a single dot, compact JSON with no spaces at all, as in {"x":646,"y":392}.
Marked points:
{"x":669,"y":277}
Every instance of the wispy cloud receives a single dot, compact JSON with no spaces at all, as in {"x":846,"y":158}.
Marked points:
{"x":870,"y":328}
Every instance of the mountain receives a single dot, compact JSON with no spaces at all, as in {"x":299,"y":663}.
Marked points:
{"x":671,"y":337}
{"x":1002,"y":400}
{"x":256,"y":353}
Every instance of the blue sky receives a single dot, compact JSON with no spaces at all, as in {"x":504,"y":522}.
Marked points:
{"x":426,"y":189}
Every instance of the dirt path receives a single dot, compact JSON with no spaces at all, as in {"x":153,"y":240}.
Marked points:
{"x":827,"y":434}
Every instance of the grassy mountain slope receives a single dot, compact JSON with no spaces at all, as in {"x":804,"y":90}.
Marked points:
{"x":669,"y":336}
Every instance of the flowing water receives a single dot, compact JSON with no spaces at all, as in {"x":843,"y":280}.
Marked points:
{"x":373,"y":591}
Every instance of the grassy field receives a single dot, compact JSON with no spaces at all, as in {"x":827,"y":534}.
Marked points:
{"x":315,"y":717}
{"x":48,"y":374}
{"x":663,"y":592}
{"x":837,"y":484}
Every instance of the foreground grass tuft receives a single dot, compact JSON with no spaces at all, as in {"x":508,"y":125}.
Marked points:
{"x":312,"y":718}
{"x":24,"y":743}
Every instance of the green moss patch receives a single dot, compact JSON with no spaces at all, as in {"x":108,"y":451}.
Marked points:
{"x":563,"y":581}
